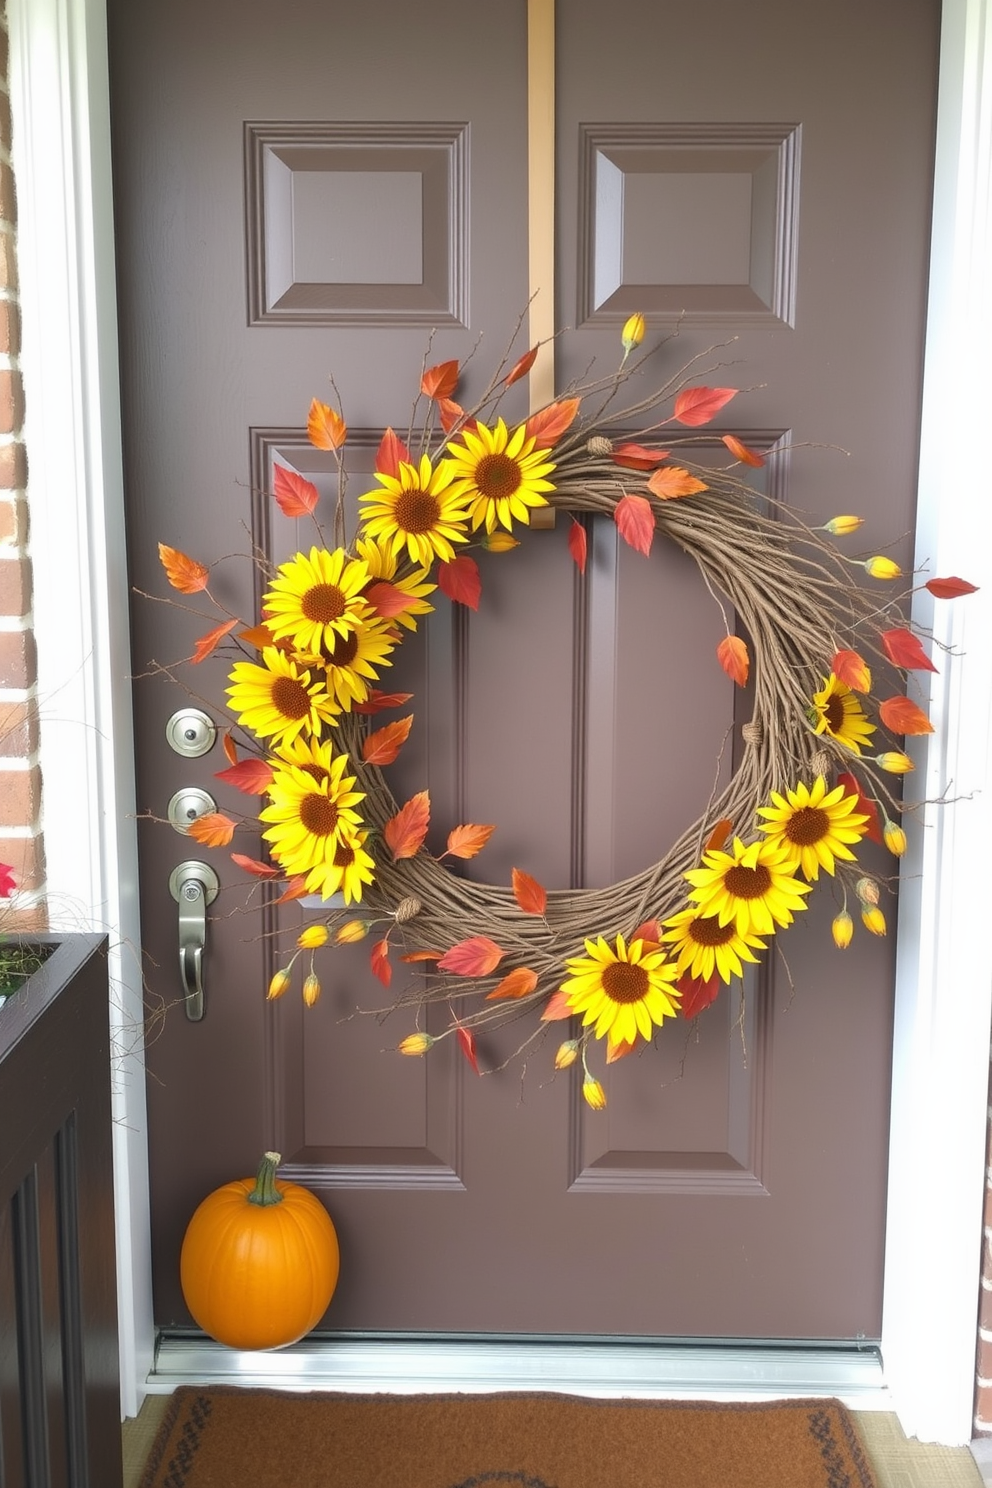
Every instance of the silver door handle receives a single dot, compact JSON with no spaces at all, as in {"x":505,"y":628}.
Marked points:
{"x":193,"y":885}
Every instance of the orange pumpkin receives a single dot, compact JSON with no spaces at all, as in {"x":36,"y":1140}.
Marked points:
{"x":260,"y":1261}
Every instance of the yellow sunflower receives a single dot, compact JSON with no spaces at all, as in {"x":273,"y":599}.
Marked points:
{"x":500,"y":474}
{"x":278,"y":699}
{"x":624,"y":991}
{"x":417,"y":510}
{"x":815,"y":825}
{"x":351,"y":662}
{"x":838,"y":712}
{"x":344,"y":872}
{"x":383,"y":566}
{"x":310,"y":815}
{"x":704,"y":945}
{"x":751,"y":887}
{"x":316,"y":599}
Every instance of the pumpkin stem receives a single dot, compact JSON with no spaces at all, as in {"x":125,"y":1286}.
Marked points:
{"x":265,"y":1191}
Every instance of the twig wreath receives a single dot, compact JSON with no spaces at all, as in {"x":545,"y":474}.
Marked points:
{"x":810,"y":785}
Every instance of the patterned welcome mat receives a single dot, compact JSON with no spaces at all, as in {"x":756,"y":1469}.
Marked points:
{"x":232,"y":1438}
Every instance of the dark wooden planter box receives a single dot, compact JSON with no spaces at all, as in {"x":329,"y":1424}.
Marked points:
{"x":59,"y":1381}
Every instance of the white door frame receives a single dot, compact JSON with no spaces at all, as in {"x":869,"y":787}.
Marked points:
{"x":59,"y":92}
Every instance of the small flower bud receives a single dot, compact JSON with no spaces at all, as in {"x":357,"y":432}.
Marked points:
{"x":842,"y":929}
{"x":278,"y":985}
{"x":894,"y":838}
{"x":594,"y":1094}
{"x":842,"y":526}
{"x":499,"y":542}
{"x":311,"y":990}
{"x":895,"y":762}
{"x":416,"y":1043}
{"x":873,"y":920}
{"x":867,"y":890}
{"x":313,"y":937}
{"x":882,"y":568}
{"x":633,"y":332}
{"x":567,"y":1054}
{"x":353,"y":931}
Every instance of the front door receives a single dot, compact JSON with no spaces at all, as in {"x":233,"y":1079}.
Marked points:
{"x":309,"y":192}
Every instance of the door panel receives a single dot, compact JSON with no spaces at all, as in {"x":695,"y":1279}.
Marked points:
{"x":298,"y":200}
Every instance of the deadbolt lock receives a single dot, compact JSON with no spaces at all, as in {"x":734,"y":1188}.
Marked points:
{"x":190,"y":733}
{"x":186,"y":805}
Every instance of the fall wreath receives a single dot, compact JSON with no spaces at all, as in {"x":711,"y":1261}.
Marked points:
{"x":801,"y":623}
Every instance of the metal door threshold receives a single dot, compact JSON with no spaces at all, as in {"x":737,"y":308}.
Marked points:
{"x":637,"y":1368}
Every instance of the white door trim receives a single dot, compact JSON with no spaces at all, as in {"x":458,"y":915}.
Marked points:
{"x":944,"y":991}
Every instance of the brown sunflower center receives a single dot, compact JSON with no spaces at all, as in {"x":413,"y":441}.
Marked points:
{"x":747,"y":883}
{"x":416,"y":512}
{"x":623,"y":982}
{"x":707,"y":931}
{"x":497,"y":476}
{"x":807,"y":825}
{"x":833,"y":712}
{"x":290,"y":698}
{"x":317,"y":772}
{"x":324,"y":603}
{"x":344,"y":855}
{"x":345,"y":649}
{"x":318,"y":815}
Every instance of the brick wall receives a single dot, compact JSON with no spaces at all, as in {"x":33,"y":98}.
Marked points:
{"x":20,"y":778}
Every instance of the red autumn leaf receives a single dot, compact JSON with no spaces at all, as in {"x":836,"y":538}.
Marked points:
{"x":388,"y":600}
{"x":902,"y":716}
{"x":326,"y":429}
{"x":732,"y":654}
{"x":695,"y":406}
{"x":376,"y":701}
{"x":672,"y":481}
{"x":295,"y":496}
{"x":206,"y":643}
{"x":212,"y":829}
{"x":522,"y":367}
{"x":620,"y":1051}
{"x":230,"y":748}
{"x":450,"y":412}
{"x":466,"y":841}
{"x":296,"y":888}
{"x":391,"y":452}
{"x":254,"y":867}
{"x":517,"y":983}
{"x":460,"y":581}
{"x":635,"y":522}
{"x":422,"y":956}
{"x":466,"y":1042}
{"x":183,"y":572}
{"x":529,"y":894}
{"x":253,"y":776}
{"x":440,"y":381}
{"x":404,"y":833}
{"x":697,"y":994}
{"x":258,"y":636}
{"x":903,"y":648}
{"x":742,"y":452}
{"x":578,"y":545}
{"x":477,"y":956}
{"x":851,"y":669}
{"x":638,"y":456}
{"x":719,"y":834}
{"x":650,"y":930}
{"x":950,"y":588}
{"x":866,"y":806}
{"x":557,"y":1008}
{"x":380,"y":962}
{"x":382,"y":747}
{"x":550,"y":423}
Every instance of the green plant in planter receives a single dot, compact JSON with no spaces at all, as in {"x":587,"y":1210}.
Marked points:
{"x":18,"y":959}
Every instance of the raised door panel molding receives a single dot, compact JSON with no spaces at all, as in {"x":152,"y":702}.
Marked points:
{"x":357,"y":224}
{"x":699,"y":220}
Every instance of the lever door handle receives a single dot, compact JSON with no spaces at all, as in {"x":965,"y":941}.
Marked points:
{"x":193,"y":885}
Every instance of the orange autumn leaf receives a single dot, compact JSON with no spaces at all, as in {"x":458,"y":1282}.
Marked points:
{"x":550,"y":423}
{"x":212,"y":829}
{"x":902,"y":716}
{"x":466,"y":1042}
{"x":450,"y":413}
{"x":295,"y":495}
{"x":254,"y":867}
{"x":413,"y":956}
{"x":296,"y":888}
{"x":376,"y":701}
{"x":903,"y":648}
{"x":719,"y":834}
{"x":620,"y":1051}
{"x":380,"y":963}
{"x":742,"y":451}
{"x":517,"y":983}
{"x":477,"y":956}
{"x":650,"y":930}
{"x":697,"y":994}
{"x":468,"y":840}
{"x":695,"y":406}
{"x":440,"y":381}
{"x":404,"y":833}
{"x":638,"y":456}
{"x":388,"y":600}
{"x":578,"y":545}
{"x":865,"y":807}
{"x":183,"y":572}
{"x":529,"y":894}
{"x":230,"y":748}
{"x":390,"y":454}
{"x":635,"y":522}
{"x":851,"y":669}
{"x":253,"y":776}
{"x":460,"y":581}
{"x":206,"y":643}
{"x":672,"y":481}
{"x":557,"y":1008}
{"x":258,"y":636}
{"x":522,"y":367}
{"x":326,"y":429}
{"x":950,"y":588}
{"x":382,"y":747}
{"x":732,"y":655}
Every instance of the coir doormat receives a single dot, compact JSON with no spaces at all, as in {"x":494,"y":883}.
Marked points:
{"x":234,"y":1438}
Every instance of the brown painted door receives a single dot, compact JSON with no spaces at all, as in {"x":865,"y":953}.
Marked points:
{"x":307,"y":190}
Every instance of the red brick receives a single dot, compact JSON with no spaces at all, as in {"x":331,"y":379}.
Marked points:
{"x":18,"y":729}
{"x":8,"y":195}
{"x":15,"y":586}
{"x":20,"y":797}
{"x":5,"y":120}
{"x":4,"y":49}
{"x":26,"y":856}
{"x":18,"y":659}
{"x":11,"y":402}
{"x":13,"y":466}
{"x":23,"y":921}
{"x":10,"y":325}
{"x":8,"y":259}
{"x":14,"y":521}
